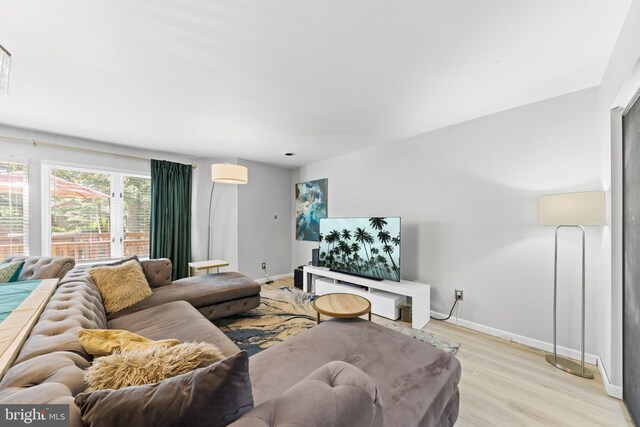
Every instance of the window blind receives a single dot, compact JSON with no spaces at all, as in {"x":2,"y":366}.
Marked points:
{"x":136,"y":215}
{"x":14,"y":209}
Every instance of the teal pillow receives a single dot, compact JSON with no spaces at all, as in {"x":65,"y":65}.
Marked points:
{"x":16,"y":275}
{"x":8,"y":270}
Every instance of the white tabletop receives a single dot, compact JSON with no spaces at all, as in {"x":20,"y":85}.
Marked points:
{"x":213,"y":263}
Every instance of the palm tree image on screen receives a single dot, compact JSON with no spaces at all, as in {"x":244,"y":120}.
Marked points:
{"x":364,"y":246}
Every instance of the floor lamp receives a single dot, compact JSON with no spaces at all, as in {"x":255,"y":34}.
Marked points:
{"x":571,"y":210}
{"x":224,"y":173}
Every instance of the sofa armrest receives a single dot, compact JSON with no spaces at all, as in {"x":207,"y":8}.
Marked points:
{"x":336,"y":394}
{"x":157,"y":272}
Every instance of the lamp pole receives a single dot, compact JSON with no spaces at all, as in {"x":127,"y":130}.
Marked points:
{"x":557,"y":361}
{"x":213,"y":185}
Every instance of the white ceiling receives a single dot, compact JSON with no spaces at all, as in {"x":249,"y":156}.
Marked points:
{"x":255,"y":79}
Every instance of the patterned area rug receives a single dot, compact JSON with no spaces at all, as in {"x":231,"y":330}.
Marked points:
{"x":286,"y":311}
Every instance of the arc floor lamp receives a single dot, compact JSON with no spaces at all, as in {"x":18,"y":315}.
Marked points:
{"x":5,"y":69}
{"x":571,"y":210}
{"x":224,"y":173}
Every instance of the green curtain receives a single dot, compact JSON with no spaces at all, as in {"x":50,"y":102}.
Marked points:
{"x":171,"y":214}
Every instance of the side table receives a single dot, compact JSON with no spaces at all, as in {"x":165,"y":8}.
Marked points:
{"x":207,"y":265}
{"x":342,"y":305}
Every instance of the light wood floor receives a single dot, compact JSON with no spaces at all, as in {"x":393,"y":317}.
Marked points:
{"x":509,"y":384}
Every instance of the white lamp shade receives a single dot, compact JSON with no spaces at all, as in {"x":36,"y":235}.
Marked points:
{"x":587,"y":208}
{"x":227,"y":173}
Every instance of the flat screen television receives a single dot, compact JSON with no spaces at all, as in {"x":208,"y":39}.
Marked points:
{"x":368,"y":247}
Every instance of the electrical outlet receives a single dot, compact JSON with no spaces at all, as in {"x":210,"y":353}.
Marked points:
{"x":459,"y":294}
{"x":264,"y":265}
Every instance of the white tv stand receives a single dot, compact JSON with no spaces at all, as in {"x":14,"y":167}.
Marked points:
{"x":420,"y":293}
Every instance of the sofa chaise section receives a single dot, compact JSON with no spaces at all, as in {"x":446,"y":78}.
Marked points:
{"x":214,"y":295}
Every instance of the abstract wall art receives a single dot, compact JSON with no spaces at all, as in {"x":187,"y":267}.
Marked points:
{"x":311,"y":207}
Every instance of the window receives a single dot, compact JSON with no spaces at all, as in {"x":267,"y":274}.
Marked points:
{"x":14,"y":211}
{"x":95,"y":214}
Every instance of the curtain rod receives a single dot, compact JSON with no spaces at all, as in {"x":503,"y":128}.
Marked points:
{"x":36,"y":143}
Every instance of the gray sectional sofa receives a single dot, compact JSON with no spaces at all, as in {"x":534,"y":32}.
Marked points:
{"x":340,"y":373}
{"x":42,"y":267}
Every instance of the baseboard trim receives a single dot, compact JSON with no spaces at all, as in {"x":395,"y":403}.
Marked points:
{"x":531,"y":342}
{"x":276,"y":277}
{"x":612,"y":389}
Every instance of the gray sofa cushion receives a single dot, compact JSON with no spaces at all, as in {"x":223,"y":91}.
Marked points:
{"x":416,"y":381}
{"x":53,"y":378}
{"x":214,"y":396}
{"x":41,"y":267}
{"x":76,"y":304}
{"x":177,"y":320}
{"x":336,"y":394}
{"x":199,"y":291}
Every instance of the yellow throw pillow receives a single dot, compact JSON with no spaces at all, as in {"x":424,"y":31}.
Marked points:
{"x":101,"y":342}
{"x":126,"y":368}
{"x":121,"y":286}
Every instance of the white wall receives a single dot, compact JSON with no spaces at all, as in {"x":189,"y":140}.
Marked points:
{"x":618,"y":79}
{"x":265,"y":214}
{"x":245,"y":232}
{"x":467,"y":195}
